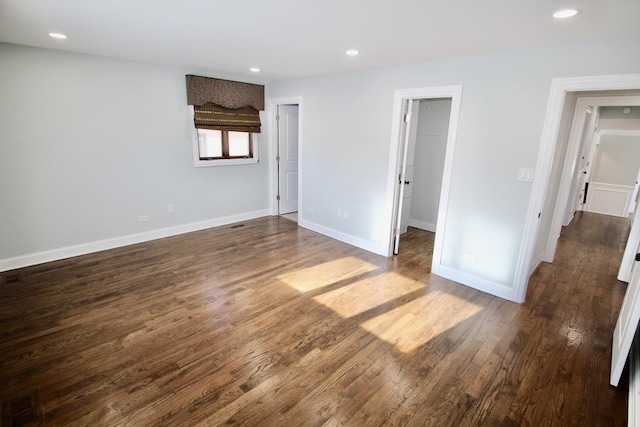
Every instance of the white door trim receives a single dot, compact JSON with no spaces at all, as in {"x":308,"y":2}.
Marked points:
{"x":273,"y":142}
{"x":399,"y":97}
{"x":559,"y":89}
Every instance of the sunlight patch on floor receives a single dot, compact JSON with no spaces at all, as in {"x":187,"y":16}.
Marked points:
{"x":407,"y":326}
{"x":420,"y":320}
{"x":328,"y":273}
{"x":363,"y":295}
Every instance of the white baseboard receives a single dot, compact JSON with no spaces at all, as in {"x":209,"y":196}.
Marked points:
{"x":427,"y":226}
{"x":344,"y":237}
{"x":448,"y":273}
{"x":474,"y":282}
{"x":116,"y":242}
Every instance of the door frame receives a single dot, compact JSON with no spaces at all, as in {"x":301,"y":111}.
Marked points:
{"x":559,"y":89}
{"x":399,"y":98}
{"x":273,"y":151}
{"x":571,"y":159}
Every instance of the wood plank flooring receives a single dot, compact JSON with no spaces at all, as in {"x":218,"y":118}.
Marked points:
{"x":267,"y":324}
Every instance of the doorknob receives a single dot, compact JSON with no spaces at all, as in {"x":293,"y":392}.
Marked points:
{"x":637,"y":257}
{"x":407,"y":182}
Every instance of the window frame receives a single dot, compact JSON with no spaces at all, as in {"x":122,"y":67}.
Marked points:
{"x":222,"y":161}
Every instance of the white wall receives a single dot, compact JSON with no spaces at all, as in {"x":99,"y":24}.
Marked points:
{"x":617,"y":160}
{"x":431,"y":143}
{"x":88,"y":144}
{"x":346,"y":138}
{"x":612,"y":118}
{"x":619,"y":124}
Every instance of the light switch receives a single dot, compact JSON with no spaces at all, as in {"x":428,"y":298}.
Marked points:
{"x":525,"y":175}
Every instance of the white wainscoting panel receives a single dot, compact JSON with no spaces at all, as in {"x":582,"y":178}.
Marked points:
{"x":609,"y":199}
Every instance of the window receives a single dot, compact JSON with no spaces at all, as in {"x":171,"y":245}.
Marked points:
{"x":217,"y":147}
{"x":223,"y":144}
{"x":226,"y":120}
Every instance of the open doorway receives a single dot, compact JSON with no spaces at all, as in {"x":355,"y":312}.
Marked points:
{"x":427,"y":127}
{"x":399,"y":181}
{"x":550,"y":166}
{"x":582,"y":143}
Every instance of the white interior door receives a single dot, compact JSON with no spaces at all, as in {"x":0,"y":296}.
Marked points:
{"x":627,"y":322}
{"x":287,"y":158}
{"x":577,"y":204}
{"x":409,"y":169}
{"x":404,"y":148}
{"x":586,"y":174}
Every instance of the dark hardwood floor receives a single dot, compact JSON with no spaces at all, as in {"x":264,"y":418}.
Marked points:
{"x":267,"y":324}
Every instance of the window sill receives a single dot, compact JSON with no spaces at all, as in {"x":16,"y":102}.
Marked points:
{"x":224,"y":162}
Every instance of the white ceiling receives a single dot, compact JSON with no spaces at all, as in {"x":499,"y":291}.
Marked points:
{"x":296,"y":38}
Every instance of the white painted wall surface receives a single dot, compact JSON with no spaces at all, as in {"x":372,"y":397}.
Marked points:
{"x":613,"y":118}
{"x":431,"y":143}
{"x":620,"y":124}
{"x":89,"y":144}
{"x":617,"y":160}
{"x":503,"y":107}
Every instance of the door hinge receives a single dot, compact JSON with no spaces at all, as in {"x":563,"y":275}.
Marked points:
{"x":396,"y":231}
{"x":278,"y":197}
{"x":277,"y":158}
{"x":277,"y":117}
{"x":407,"y":118}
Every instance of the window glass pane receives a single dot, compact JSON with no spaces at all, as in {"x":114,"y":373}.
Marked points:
{"x":238,"y":144}
{"x":209,"y":143}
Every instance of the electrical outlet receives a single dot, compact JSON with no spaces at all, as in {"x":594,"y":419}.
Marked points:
{"x":339,"y":213}
{"x":345,"y":214}
{"x":143,"y":218}
{"x":469,"y":258}
{"x":309,"y":209}
{"x":170,"y":208}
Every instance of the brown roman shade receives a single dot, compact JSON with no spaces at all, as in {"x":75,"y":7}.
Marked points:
{"x":224,"y":104}
{"x":212,"y":116}
{"x":225,"y":93}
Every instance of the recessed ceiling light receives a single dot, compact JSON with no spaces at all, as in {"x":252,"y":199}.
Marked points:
{"x":566,"y":13}
{"x":57,"y":35}
{"x":352,"y":52}
{"x":626,"y":110}
{"x":254,"y":69}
